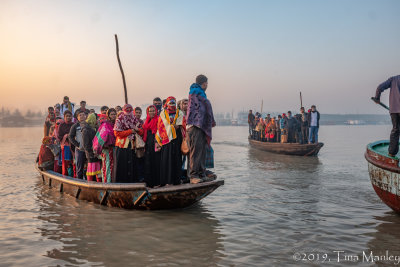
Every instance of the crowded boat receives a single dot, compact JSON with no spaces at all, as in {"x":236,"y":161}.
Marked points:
{"x":301,"y":128}
{"x":170,"y":146}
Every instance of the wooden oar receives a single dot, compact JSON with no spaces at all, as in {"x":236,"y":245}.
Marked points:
{"x":122,"y":71}
{"x":379,"y":103}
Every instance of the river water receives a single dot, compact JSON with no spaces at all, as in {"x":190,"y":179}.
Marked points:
{"x":273,"y":210}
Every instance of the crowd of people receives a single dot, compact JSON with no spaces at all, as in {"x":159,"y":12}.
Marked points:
{"x":301,"y":128}
{"x":169,"y":147}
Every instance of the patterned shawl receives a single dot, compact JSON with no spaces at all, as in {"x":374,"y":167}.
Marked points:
{"x":104,"y":136}
{"x":200,"y":113}
{"x":150,"y":123}
{"x":126,"y":121}
{"x":165,"y":127}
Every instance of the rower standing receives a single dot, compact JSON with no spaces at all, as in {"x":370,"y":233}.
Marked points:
{"x":394,"y":109}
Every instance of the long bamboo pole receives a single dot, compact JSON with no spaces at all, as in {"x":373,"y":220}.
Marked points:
{"x":301,"y":101}
{"x":122,"y":71}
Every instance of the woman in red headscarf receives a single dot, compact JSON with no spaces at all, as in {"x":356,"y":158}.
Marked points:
{"x":152,"y":157}
{"x":171,"y":129}
{"x":124,"y":129}
{"x":45,"y":159}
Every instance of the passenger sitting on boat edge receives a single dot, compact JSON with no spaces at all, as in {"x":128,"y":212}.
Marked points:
{"x":200,"y":120}
{"x":45,"y":159}
{"x":394,"y":109}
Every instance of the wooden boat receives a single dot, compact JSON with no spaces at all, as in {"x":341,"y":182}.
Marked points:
{"x":287,"y":148}
{"x":384,"y":172}
{"x":132,"y":195}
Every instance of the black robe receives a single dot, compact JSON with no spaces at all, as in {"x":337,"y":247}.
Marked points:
{"x":171,"y":161}
{"x":124,"y":165}
{"x":151,"y":162}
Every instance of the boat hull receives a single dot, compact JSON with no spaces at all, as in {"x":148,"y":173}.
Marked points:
{"x":130,"y":196}
{"x":384,"y":174}
{"x":288,"y":148}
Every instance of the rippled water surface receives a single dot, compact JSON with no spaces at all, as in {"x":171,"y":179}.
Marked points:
{"x":271,"y":207}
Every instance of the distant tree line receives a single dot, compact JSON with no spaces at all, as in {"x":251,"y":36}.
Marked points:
{"x":4,"y":112}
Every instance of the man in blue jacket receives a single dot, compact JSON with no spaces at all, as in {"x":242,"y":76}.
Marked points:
{"x":394,"y":109}
{"x":199,"y":121}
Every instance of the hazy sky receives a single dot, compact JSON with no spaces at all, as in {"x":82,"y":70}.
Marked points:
{"x":335,"y":52}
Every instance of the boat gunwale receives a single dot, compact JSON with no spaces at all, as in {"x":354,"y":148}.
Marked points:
{"x":320,"y":144}
{"x":128,"y":186}
{"x":379,"y":163}
{"x":291,"y":149}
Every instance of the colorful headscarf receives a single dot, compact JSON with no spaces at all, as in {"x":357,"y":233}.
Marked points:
{"x":126,"y":121}
{"x":102,"y":118}
{"x":150,"y":123}
{"x":171,"y":105}
{"x":57,"y":126}
{"x":91,"y":120}
{"x":47,"y":140}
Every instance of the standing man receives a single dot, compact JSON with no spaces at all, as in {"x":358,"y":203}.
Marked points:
{"x":82,"y":108}
{"x":394,"y":109}
{"x":291,"y":126}
{"x":184,"y":106}
{"x":157,"y":102}
{"x":250,"y":121}
{"x":278,"y":129}
{"x":75,"y":138}
{"x":66,"y":105}
{"x":200,"y":120}
{"x":304,"y":126}
{"x":313,"y":119}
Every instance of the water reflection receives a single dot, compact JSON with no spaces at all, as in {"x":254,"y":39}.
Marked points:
{"x":386,"y":237}
{"x":272,"y":161}
{"x":93,"y":234}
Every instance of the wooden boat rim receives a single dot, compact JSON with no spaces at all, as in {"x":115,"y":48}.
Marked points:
{"x":127,"y":186}
{"x":287,"y":144}
{"x":372,"y":146}
{"x":375,"y":157}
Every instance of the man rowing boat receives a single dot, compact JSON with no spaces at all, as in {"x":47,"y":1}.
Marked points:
{"x":394,"y":109}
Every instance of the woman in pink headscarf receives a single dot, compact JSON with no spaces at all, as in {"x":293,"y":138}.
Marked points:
{"x":124,"y":129}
